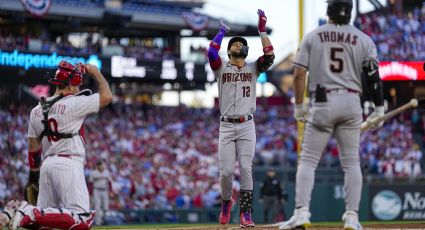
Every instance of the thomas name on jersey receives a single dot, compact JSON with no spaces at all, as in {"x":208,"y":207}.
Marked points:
{"x":340,"y":37}
{"x":234,"y":77}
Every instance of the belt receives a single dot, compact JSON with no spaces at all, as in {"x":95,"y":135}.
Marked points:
{"x":342,"y":90}
{"x":102,"y":189}
{"x":240,"y":119}
{"x":60,"y":155}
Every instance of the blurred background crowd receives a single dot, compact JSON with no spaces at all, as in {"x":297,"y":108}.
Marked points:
{"x":165,"y":157}
{"x":397,"y":36}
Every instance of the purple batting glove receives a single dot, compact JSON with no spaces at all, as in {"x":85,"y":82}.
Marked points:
{"x":262,"y":20}
{"x":223,"y":27}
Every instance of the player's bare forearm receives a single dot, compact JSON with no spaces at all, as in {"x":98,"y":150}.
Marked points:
{"x":34,"y":144}
{"x":105,"y":94}
{"x":265,"y":41}
{"x":299,"y":84}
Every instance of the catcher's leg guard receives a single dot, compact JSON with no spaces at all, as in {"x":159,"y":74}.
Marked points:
{"x":31,"y":217}
{"x":8,"y":212}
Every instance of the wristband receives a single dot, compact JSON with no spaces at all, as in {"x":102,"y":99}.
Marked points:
{"x":267,"y":49}
{"x":34,"y":159}
{"x":214,"y":44}
{"x":299,"y":106}
{"x":263,"y":34}
{"x":380,"y":110}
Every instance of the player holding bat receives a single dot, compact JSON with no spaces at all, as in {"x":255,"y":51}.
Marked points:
{"x":335,"y":55}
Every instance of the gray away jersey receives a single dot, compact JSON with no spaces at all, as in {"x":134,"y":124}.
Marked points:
{"x":334,"y":56}
{"x":99,"y":179}
{"x":237,"y":89}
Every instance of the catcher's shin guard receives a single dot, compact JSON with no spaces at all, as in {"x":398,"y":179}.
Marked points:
{"x":28,"y":216}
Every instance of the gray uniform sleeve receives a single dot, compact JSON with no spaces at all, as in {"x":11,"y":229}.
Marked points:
{"x":255,"y":72}
{"x":302,"y":58}
{"x":33,"y":131}
{"x":372,"y":53}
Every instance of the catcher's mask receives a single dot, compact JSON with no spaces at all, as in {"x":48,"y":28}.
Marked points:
{"x":339,"y":11}
{"x":244,"y":49}
{"x":69,"y":72}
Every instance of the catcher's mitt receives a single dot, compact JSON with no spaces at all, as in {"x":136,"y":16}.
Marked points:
{"x":31,"y":190}
{"x":31,"y":193}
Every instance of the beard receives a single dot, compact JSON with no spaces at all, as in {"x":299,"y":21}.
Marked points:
{"x":237,"y":54}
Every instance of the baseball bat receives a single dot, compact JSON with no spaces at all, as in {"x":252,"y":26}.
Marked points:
{"x":368,"y":123}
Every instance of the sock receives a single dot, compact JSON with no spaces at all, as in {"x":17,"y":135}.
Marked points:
{"x":246,"y":197}
{"x":226,"y":201}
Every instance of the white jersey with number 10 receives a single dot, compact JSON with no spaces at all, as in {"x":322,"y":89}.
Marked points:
{"x":66,"y":116}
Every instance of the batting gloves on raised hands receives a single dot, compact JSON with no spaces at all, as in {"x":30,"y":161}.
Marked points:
{"x":223,"y":27}
{"x":379,"y":111}
{"x":300,"y":112}
{"x":262,"y":20}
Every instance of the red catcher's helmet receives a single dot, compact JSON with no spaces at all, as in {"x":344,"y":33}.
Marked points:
{"x":68,"y":73}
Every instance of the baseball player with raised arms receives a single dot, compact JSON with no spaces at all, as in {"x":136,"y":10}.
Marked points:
{"x":56,"y":140}
{"x":237,"y":98}
{"x":335,"y":55}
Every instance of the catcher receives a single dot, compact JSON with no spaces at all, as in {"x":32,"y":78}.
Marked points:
{"x":56,"y":138}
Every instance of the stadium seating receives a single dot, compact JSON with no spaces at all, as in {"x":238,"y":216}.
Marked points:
{"x":396,"y":37}
{"x":160,"y":159}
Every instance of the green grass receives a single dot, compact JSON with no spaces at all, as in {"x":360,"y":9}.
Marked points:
{"x":235,"y":226}
{"x":373,"y":222}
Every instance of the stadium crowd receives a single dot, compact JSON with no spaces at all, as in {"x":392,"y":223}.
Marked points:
{"x":166,"y":157}
{"x":397,"y":37}
{"x":36,"y":37}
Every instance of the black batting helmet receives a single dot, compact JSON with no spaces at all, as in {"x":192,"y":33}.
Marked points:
{"x":339,"y":11}
{"x":238,"y":39}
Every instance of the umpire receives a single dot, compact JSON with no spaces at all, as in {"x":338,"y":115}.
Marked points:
{"x":271,"y":196}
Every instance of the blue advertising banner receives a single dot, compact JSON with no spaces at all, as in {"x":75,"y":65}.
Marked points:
{"x":397,"y":202}
{"x":40,"y":61}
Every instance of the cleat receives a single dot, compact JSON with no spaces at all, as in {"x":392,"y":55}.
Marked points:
{"x":226,"y":207}
{"x":351,"y":221}
{"x":300,"y":220}
{"x":246,"y":220}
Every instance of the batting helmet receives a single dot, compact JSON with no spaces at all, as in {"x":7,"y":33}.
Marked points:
{"x":339,"y":11}
{"x":69,"y":72}
{"x":244,"y":48}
